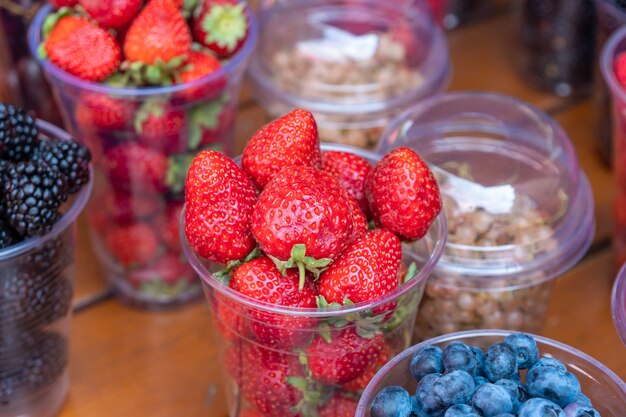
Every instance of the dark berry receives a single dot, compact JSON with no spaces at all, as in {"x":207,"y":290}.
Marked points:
{"x":525,"y":348}
{"x":392,"y":401}
{"x":8,"y":236}
{"x":426,"y":360}
{"x":539,"y":407}
{"x":454,"y":387}
{"x":52,"y":257}
{"x":552,"y":383}
{"x":426,"y":399}
{"x":500,"y":362}
{"x":18,"y":133}
{"x":33,"y":193}
{"x":458,"y":356}
{"x":70,"y":158}
{"x":516,"y":390}
{"x":491,"y":400}
{"x":461,"y":410}
{"x":580,"y":410}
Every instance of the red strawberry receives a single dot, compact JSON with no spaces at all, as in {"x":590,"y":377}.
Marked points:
{"x":168,"y":269}
{"x":220,"y":199}
{"x":351,"y":170}
{"x":303,"y":213}
{"x":161,"y":126}
{"x":291,"y":140}
{"x":266,"y":379}
{"x":359,"y":221}
{"x":113,"y":13}
{"x":338,"y":406}
{"x":200,"y":64}
{"x":345,"y":357}
{"x":131,"y":166}
{"x":403,"y":194}
{"x":620,"y":68}
{"x":358,"y":384}
{"x":63,"y":3}
{"x":124,"y":207}
{"x":229,"y":318}
{"x":259,"y":279}
{"x":103,"y":112}
{"x":132,"y":245}
{"x":159,"y":32}
{"x":248,"y":412}
{"x":169,"y":225}
{"x":366,"y":270}
{"x":221,"y":26}
{"x":82,"y":49}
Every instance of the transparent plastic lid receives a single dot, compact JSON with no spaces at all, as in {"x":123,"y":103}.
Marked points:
{"x":516,"y":200}
{"x":371,"y":54}
{"x":618,"y":304}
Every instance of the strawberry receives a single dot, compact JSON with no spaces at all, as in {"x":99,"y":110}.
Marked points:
{"x":63,"y":3}
{"x":620,"y":68}
{"x":81,"y":48}
{"x":103,"y":112}
{"x":358,"y":384}
{"x":220,"y":199}
{"x":169,"y":225}
{"x":291,"y":140}
{"x":359,"y":221}
{"x":159,"y":34}
{"x":201,"y":64}
{"x":260,"y":279}
{"x":168,"y":270}
{"x":303,"y":218}
{"x":351,"y":170}
{"x":344,"y":357}
{"x":131,"y":166}
{"x":132,"y":245}
{"x":161,"y":126}
{"x":366,"y":270}
{"x":229,"y":318}
{"x":266,"y":381}
{"x":403,"y":194}
{"x":339,"y":405}
{"x":221,"y":26}
{"x":113,"y":13}
{"x":211,"y":124}
{"x":249,"y":412}
{"x":124,"y":207}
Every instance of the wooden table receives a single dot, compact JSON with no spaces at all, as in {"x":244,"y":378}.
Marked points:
{"x":127,"y":362}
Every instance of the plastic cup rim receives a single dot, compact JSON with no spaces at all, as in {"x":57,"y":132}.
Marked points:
{"x":607,"y":55}
{"x":618,"y":303}
{"x":68,"y":218}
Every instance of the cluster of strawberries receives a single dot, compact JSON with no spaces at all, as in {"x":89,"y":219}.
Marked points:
{"x":299,"y":228}
{"x":128,"y":42}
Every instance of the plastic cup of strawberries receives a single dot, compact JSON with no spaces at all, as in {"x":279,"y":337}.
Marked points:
{"x":299,"y":250}
{"x":146,"y":85}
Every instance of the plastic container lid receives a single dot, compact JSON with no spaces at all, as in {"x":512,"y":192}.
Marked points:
{"x":517,"y":203}
{"x":618,"y":304}
{"x":325,"y":54}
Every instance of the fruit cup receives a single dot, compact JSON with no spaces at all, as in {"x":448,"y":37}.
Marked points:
{"x":355,"y":64}
{"x":277,"y":358}
{"x":604,"y":388}
{"x":142,"y":140}
{"x":618,"y":303}
{"x":36,"y":277}
{"x":519,"y":209}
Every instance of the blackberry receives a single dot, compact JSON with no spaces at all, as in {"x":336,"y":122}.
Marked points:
{"x":18,"y":133}
{"x":70,"y":158}
{"x":8,"y":236}
{"x":56,"y":254}
{"x":33,"y":192}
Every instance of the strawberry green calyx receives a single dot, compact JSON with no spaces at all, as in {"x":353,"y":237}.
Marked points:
{"x":410,"y":273}
{"x":225,"y":25}
{"x":147,"y":109}
{"x":313,"y":395}
{"x":204,"y":116}
{"x":178,"y":166}
{"x":302,"y":262}
{"x":223,"y":275}
{"x":53,"y":18}
{"x":160,"y":73}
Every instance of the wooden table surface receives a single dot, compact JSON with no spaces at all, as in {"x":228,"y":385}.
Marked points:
{"x":128,"y":362}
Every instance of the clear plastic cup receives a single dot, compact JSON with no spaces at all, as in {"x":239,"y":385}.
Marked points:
{"x":355,"y":64}
{"x":555,"y":44}
{"x":618,"y":303}
{"x":141,"y":169}
{"x":253,"y":362}
{"x":605,"y":389}
{"x":519,"y":209}
{"x":614,"y":46}
{"x":36,"y":282}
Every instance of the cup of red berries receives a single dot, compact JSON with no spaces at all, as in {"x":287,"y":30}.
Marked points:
{"x":493,"y":373}
{"x":618,"y":303}
{"x":313,"y":260}
{"x":146,"y":85}
{"x":46,"y":181}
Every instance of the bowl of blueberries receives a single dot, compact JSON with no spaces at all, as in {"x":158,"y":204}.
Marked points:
{"x":493,"y":373}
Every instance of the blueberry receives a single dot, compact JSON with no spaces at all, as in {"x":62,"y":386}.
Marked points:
{"x":552,"y":383}
{"x":392,"y":401}
{"x":455,"y":387}
{"x":426,"y":360}
{"x":545,"y":361}
{"x":580,"y":410}
{"x":525,"y":348}
{"x":515,"y":390}
{"x":539,"y":407}
{"x":583,"y":400}
{"x":461,"y":410}
{"x":491,"y":400}
{"x":417,"y":409}
{"x":458,"y":356}
{"x":500,"y":362}
{"x":428,"y":402}
{"x":480,"y":360}
{"x":504,"y":415}
{"x":479,"y":380}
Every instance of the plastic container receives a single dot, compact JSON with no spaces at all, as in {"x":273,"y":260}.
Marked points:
{"x":463,"y":11}
{"x":614,"y":46}
{"x":355,"y":64}
{"x":134,"y":213}
{"x":610,"y":16}
{"x":618,"y":303}
{"x":519,"y":209}
{"x":556,"y":45}
{"x":36,"y":281}
{"x":250,"y":362}
{"x":605,"y":389}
